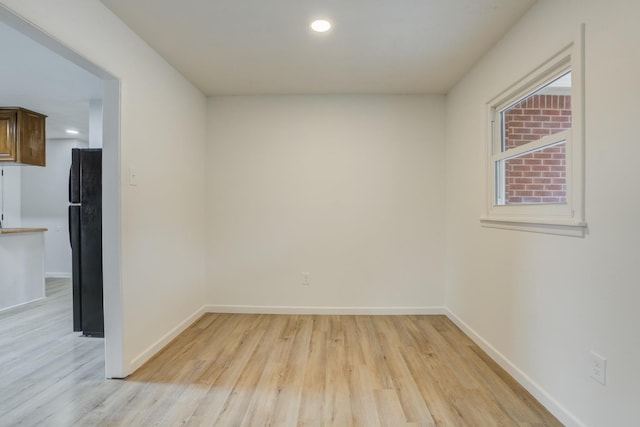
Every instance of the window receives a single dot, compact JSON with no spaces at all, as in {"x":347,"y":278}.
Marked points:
{"x":535,"y":150}
{"x":530,"y":158}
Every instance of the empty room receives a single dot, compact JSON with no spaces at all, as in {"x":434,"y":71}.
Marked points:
{"x":340,"y":213}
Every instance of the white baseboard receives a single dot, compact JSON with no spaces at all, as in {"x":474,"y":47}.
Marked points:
{"x":20,"y":305}
{"x":54,"y":275}
{"x":560,"y":412}
{"x":139,"y":360}
{"x":258,"y":309}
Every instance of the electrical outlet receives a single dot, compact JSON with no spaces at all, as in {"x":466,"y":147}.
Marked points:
{"x":133,"y":177}
{"x":306,"y":278}
{"x":597,"y":367}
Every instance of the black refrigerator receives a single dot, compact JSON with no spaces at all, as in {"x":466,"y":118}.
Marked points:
{"x":85,"y":235}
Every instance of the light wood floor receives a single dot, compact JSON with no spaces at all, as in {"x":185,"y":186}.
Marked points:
{"x":259,"y":370}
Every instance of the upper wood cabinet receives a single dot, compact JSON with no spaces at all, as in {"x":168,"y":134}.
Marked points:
{"x":22,"y":136}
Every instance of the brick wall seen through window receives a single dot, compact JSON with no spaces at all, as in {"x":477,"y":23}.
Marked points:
{"x":539,"y":176}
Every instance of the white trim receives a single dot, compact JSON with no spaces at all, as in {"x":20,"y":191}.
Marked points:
{"x":21,"y":304}
{"x":559,"y":64}
{"x":154,"y":348}
{"x":54,"y":275}
{"x":559,"y":228}
{"x":114,"y":324}
{"x":541,"y":395}
{"x":547,"y":141}
{"x":259,"y":309}
{"x":566,"y":219}
{"x":113,"y":318}
{"x":31,"y":30}
{"x":554,"y":68}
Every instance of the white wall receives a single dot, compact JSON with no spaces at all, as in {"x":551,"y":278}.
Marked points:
{"x":162,"y":137}
{"x":45,"y":200}
{"x":543,"y":302}
{"x":10,"y":196}
{"x":347,"y":188}
{"x":95,"y":123}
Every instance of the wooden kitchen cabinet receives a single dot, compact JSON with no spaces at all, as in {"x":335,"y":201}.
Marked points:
{"x":22,"y":136}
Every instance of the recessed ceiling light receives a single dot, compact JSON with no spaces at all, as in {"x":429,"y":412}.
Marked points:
{"x":321,"y":26}
{"x":72,"y":132}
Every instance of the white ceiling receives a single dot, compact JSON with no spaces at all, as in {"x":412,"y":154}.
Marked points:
{"x":266,"y":47}
{"x":375,"y":46}
{"x":39,"y":79}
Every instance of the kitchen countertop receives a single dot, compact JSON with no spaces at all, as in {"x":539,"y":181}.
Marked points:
{"x":21,"y":230}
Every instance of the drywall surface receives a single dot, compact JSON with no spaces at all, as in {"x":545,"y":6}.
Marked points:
{"x":10,"y":204}
{"x":162,"y":141}
{"x":346,"y":188}
{"x":544,"y":302}
{"x":21,"y":269}
{"x":45,"y":200}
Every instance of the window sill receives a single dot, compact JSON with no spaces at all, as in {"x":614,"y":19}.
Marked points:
{"x":561,"y":228}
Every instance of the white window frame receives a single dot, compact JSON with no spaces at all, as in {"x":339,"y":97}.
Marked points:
{"x":562,"y":218}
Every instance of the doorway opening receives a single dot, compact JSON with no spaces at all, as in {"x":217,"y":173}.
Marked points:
{"x":110,"y":97}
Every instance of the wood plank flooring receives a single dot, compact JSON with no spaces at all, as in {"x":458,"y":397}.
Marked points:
{"x":259,"y":370}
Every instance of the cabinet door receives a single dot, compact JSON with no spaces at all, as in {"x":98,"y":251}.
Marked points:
{"x":7,"y":136}
{"x":31,"y":138}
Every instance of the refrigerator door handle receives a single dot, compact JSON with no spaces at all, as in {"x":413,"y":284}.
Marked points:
{"x":75,"y":176}
{"x":69,"y":225}
{"x":76,"y":269}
